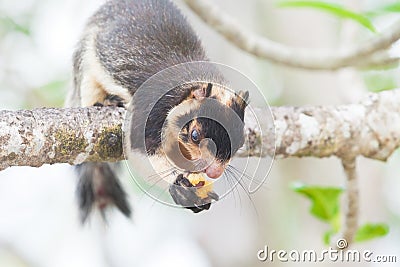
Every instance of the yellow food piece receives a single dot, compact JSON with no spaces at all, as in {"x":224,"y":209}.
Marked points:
{"x":201,"y":190}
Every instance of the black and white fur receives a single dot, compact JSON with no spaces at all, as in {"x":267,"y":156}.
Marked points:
{"x":124,"y":43}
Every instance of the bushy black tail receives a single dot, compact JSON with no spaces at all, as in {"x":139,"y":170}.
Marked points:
{"x":98,"y":187}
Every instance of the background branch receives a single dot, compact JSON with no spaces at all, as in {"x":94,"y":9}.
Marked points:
{"x":362,"y":55}
{"x":75,"y":135}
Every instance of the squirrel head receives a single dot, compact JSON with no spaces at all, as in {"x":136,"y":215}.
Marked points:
{"x":206,"y":129}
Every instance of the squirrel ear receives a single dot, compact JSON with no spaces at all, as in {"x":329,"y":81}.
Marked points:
{"x":239,"y":103}
{"x":242,"y":99}
{"x":202,"y":92}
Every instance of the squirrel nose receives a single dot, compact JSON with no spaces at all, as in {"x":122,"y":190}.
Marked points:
{"x":215,"y":170}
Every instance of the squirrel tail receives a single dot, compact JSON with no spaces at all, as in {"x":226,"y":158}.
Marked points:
{"x":98,"y":186}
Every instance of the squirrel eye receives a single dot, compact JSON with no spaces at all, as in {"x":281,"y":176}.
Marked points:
{"x":195,"y":136}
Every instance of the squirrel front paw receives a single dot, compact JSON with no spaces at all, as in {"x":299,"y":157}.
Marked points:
{"x":193,"y":192}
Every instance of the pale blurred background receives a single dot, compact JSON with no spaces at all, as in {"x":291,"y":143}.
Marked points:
{"x":38,"y":217}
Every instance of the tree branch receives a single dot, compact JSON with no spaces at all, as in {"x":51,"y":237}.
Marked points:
{"x":47,"y":136}
{"x":75,"y":135}
{"x":370,"y":129}
{"x":360,"y":56}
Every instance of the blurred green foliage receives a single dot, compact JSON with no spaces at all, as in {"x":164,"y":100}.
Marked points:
{"x":51,"y":94}
{"x":383,"y":10}
{"x":333,"y":9}
{"x":324,"y":201}
{"x":325,"y":205}
{"x":8,"y":24}
{"x":369,"y":231}
{"x":393,"y":7}
{"x":380,"y":81}
{"x":340,"y":11}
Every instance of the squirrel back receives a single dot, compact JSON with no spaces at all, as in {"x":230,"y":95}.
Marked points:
{"x":125,"y":43}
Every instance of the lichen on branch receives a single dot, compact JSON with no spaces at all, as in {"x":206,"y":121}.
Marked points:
{"x":370,"y":128}
{"x":49,"y":135}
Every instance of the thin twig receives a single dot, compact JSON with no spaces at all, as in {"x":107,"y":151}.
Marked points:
{"x":352,"y":201}
{"x":300,"y":58}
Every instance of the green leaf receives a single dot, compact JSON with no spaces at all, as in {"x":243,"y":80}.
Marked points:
{"x":325,"y":202}
{"x":369,"y":231}
{"x":327,"y":236}
{"x":334,"y":9}
{"x":394,"y":7}
{"x":380,"y":81}
{"x":51,"y":94}
{"x":391,"y":8}
{"x":10,"y":25}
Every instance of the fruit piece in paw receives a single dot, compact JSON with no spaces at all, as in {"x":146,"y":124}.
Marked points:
{"x":203,"y":187}
{"x":193,"y":192}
